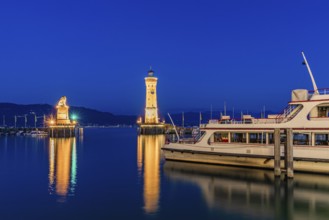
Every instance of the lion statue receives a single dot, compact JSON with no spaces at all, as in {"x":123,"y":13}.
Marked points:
{"x":62,"y":101}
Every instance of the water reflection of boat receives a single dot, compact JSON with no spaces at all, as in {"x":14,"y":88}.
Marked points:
{"x":62,"y":167}
{"x":256,"y":193}
{"x":148,"y":163}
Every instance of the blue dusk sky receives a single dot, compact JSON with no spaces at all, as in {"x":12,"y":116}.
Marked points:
{"x":97,"y":53}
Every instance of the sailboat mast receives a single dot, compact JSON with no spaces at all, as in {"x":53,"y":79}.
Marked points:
{"x":224,"y":108}
{"x":172,"y":122}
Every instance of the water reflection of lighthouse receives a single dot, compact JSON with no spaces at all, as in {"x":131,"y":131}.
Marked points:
{"x":62,"y":167}
{"x":148,"y":161}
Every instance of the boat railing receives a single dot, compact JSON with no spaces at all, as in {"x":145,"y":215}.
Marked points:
{"x":288,"y":113}
{"x":199,"y":136}
{"x":242,"y":121}
{"x":264,"y":121}
{"x":324,"y":91}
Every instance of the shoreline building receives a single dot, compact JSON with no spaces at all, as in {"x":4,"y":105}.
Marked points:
{"x":151,"y":123}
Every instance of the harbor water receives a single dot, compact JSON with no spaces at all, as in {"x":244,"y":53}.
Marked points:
{"x":112,"y":173}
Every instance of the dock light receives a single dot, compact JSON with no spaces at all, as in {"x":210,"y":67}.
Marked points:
{"x":52,"y":122}
{"x":74,"y":117}
{"x":139,"y":120}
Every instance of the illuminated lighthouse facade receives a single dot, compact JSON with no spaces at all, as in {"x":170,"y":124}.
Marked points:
{"x":151,"y":108}
{"x":151,"y":124}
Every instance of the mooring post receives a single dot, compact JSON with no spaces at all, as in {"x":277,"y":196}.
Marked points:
{"x":288,"y":149}
{"x":277,"y":152}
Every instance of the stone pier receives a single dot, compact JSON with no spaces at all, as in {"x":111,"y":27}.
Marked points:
{"x":62,"y":126}
{"x":152,"y":129}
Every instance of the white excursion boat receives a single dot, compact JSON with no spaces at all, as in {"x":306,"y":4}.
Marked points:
{"x":250,"y":141}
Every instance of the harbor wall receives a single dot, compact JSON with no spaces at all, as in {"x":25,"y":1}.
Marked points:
{"x":151,"y":129}
{"x":63,"y":132}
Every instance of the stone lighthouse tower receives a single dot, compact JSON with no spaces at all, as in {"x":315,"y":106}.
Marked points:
{"x":151,"y":123}
{"x":151,"y":107}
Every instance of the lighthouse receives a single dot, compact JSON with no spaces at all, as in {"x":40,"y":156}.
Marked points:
{"x":151,"y":107}
{"x":151,"y":123}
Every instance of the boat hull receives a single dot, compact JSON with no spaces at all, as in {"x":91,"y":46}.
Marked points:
{"x":263,"y":161}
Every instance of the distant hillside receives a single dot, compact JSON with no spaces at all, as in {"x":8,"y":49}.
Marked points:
{"x":85,"y":116}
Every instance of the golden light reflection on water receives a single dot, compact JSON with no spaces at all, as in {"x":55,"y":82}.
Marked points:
{"x":62,"y":167}
{"x":148,"y":163}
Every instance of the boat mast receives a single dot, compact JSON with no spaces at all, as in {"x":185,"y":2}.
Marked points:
{"x":311,"y":75}
{"x":225,"y":108}
{"x":174,"y":126}
{"x":211,"y":111}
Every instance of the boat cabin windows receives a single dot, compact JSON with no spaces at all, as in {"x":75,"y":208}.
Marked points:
{"x":257,"y":138}
{"x":221,"y":137}
{"x":301,"y":139}
{"x":320,"y":112}
{"x":321,"y":139}
{"x":323,"y":111}
{"x":238,"y":138}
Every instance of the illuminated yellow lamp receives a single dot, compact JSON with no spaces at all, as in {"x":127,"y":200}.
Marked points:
{"x":139,"y":120}
{"x":51,"y":121}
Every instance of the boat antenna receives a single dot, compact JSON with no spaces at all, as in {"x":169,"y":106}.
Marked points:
{"x":172,"y":122}
{"x":211,"y":111}
{"x":311,"y":75}
{"x":224,"y":108}
{"x":264,"y":112}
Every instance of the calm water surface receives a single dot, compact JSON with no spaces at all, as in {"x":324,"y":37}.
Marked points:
{"x":113,"y":173}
